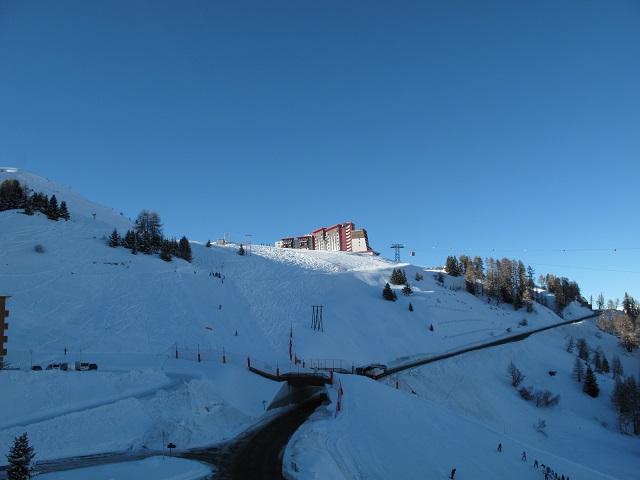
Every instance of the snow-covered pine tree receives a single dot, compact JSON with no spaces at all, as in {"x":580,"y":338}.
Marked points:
{"x":388,"y":294}
{"x":241,"y":250}
{"x":114,"y":239}
{"x":406,"y":290}
{"x":208,"y":244}
{"x":20,"y":457}
{"x":419,"y":277}
{"x":590,"y":386}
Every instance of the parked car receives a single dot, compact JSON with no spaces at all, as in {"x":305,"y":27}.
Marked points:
{"x":36,"y":368}
{"x":85,"y":366}
{"x":372,"y":370}
{"x":58,"y":366}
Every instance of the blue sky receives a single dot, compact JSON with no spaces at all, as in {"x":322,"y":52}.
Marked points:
{"x":490,"y":128}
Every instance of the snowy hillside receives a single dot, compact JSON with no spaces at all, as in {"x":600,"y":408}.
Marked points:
{"x":462,"y":408}
{"x":83,"y":295}
{"x":80,"y":300}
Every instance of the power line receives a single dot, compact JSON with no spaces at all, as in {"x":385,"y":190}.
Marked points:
{"x":586,"y":268}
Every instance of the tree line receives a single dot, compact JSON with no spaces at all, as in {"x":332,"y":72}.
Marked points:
{"x":509,"y":281}
{"x":624,"y":324}
{"x":147,"y":237}
{"x":14,"y":196}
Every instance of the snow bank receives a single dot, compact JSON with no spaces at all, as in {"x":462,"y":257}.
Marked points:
{"x":158,"y":468}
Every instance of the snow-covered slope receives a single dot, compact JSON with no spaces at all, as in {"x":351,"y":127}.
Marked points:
{"x":83,"y":295}
{"x":462,"y":408}
{"x":129,"y":313}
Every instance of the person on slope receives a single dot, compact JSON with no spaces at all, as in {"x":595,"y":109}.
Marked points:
{"x":524,"y":456}
{"x":453,"y":474}
{"x":500,"y":447}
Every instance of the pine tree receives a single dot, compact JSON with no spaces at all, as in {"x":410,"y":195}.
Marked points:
{"x":626,"y":398}
{"x":517,"y":377}
{"x":590,"y":386}
{"x":452,"y":267}
{"x":578,"y":370}
{"x":389,"y":294}
{"x":407,"y":290}
{"x":28,"y":206}
{"x":410,"y":307}
{"x":241,"y":250}
{"x":398,"y":277}
{"x":570,"y":345}
{"x":605,"y":364}
{"x":527,"y":300}
{"x":597,"y":362}
{"x":583,"y":349}
{"x":128,"y":240}
{"x":114,"y":239}
{"x":470,"y":280}
{"x":20,"y":457}
{"x":52,"y":208}
{"x":616,"y":367}
{"x":64,"y":212}
{"x":165,"y":251}
{"x":600,"y":301}
{"x":184,"y":249}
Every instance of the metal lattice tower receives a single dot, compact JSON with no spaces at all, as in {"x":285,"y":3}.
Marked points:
{"x":397,"y":247}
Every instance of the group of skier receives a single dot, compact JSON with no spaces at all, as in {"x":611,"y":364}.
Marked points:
{"x":547,"y":471}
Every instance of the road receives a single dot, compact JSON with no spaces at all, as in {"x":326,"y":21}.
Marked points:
{"x":502,"y":341}
{"x":257,"y":455}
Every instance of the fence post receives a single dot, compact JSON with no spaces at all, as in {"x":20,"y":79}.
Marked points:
{"x":278,"y":372}
{"x":224,"y":356}
{"x":198,"y":353}
{"x":176,"y":350}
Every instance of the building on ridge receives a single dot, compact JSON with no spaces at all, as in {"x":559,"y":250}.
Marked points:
{"x":341,"y":237}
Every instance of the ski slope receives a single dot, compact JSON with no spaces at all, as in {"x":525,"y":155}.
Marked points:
{"x":131,"y":313}
{"x":84,"y":296}
{"x":462,"y":408}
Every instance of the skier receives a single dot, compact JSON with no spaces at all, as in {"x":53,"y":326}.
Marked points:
{"x":500,"y":447}
{"x":453,"y":474}
{"x":535,"y":464}
{"x":524,"y":456}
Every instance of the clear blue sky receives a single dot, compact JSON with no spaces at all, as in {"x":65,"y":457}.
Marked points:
{"x":455,"y":126}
